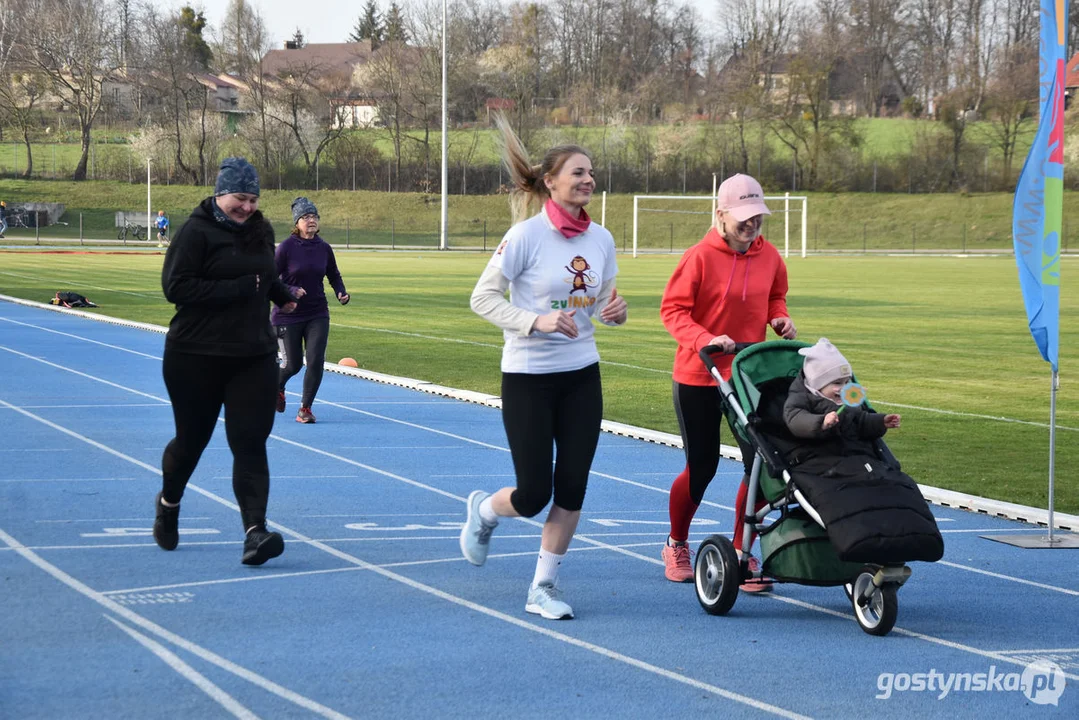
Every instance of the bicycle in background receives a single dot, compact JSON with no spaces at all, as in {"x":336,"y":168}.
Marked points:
{"x":136,"y":231}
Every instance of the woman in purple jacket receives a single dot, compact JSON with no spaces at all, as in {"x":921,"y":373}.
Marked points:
{"x":305,"y":260}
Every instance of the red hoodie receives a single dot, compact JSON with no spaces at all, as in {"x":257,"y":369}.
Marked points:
{"x":716,"y":291}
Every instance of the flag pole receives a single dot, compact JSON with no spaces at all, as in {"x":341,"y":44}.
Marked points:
{"x":1052,"y":445}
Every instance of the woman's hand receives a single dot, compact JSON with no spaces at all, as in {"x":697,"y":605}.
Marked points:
{"x":288,"y":307}
{"x":724,"y":342}
{"x":343,"y":298}
{"x":615,"y":311}
{"x":558,"y":321}
{"x":298,"y":293}
{"x":830,"y":420}
{"x":892,"y":421}
{"x":784,"y":327}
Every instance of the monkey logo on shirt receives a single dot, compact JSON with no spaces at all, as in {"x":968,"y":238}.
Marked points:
{"x":582,"y":279}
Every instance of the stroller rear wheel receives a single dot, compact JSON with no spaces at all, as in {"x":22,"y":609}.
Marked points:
{"x":875,"y":608}
{"x":716,"y":575}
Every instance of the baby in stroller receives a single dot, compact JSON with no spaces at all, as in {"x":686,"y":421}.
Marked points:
{"x":873,"y":510}
{"x":813,"y":408}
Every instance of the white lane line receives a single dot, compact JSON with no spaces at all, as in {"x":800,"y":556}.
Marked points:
{"x":63,"y":480}
{"x":29,"y":450}
{"x":999,"y":576}
{"x":155,"y":629}
{"x":98,"y":406}
{"x":299,"y":699}
{"x":199,"y":680}
{"x":84,"y":339}
{"x":73,"y":371}
{"x":403,"y":447}
{"x":1038,"y":650}
{"x":995,"y":418}
{"x":113,"y":520}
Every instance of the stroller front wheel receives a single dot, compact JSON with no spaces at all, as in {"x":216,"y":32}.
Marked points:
{"x":875,"y":608}
{"x":716,"y":575}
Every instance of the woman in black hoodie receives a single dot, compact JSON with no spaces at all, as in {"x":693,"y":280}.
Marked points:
{"x":221,"y":350}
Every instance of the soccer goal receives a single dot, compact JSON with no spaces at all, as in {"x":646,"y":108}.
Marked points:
{"x":664,"y":223}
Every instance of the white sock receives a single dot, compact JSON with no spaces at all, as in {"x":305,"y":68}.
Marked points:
{"x":547,"y":567}
{"x":168,"y":504}
{"x":487,"y":511}
{"x":671,"y":542}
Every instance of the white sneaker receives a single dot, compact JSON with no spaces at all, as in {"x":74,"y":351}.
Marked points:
{"x":546,"y":601}
{"x":476,"y":534}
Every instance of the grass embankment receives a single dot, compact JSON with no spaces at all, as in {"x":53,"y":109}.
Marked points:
{"x":848,"y":222}
{"x":944,"y":341}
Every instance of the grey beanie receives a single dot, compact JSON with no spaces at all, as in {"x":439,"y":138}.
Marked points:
{"x":236,"y":176}
{"x":824,"y":364}
{"x":302,"y":206}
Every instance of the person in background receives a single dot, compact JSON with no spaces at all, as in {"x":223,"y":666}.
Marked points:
{"x":162,"y":225}
{"x":727,"y":289}
{"x":559,"y":268}
{"x":220,"y":350}
{"x":305,"y":260}
{"x":3,"y":218}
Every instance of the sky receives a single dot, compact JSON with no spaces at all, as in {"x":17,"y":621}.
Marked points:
{"x":323,"y":21}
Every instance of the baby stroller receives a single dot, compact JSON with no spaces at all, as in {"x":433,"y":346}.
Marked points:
{"x":832,"y":530}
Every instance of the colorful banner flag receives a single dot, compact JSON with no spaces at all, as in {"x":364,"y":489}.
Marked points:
{"x":1037,"y":212}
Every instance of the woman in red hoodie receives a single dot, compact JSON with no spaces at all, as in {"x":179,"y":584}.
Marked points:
{"x":727,"y":289}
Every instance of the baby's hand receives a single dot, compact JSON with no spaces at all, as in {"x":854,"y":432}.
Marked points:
{"x":830,"y":420}
{"x":892,"y":421}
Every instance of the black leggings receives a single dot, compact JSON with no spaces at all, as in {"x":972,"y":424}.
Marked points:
{"x":564,"y":409}
{"x":700,"y":416}
{"x":198,"y":386}
{"x":293,"y":339}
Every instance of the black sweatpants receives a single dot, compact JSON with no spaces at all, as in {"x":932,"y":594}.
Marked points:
{"x":562,"y":409}
{"x":699,"y":409}
{"x":198,"y":386}
{"x":295,"y":339}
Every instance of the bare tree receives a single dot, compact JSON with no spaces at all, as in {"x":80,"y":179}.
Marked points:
{"x":758,"y":33}
{"x":239,"y":49}
{"x":70,"y":42}
{"x":973,"y":64}
{"x":308,"y":101}
{"x":385,"y":77}
{"x":184,"y":94}
{"x":877,"y":27}
{"x":21,"y":88}
{"x":807,"y":124}
{"x":934,"y":26}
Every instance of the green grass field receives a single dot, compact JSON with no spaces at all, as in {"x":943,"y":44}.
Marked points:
{"x":944,"y":341}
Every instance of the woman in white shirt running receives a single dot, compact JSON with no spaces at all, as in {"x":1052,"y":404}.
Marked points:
{"x":560,"y":269}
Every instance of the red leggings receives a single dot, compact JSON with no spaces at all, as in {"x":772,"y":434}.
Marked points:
{"x":739,"y":513}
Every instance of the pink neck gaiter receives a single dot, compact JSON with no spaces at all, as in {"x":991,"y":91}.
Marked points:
{"x":566,"y":223}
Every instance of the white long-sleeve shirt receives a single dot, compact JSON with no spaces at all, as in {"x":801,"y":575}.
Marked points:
{"x":546,"y":271}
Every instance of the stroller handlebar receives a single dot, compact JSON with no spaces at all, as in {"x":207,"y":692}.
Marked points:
{"x":708,"y":351}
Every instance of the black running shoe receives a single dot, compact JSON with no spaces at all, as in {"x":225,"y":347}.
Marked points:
{"x":166,"y":525}
{"x":260,"y":546}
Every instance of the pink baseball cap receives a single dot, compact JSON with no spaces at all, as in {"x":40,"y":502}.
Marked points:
{"x":742,"y":197}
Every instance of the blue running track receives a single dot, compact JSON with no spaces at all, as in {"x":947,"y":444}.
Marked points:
{"x":373,"y":613}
